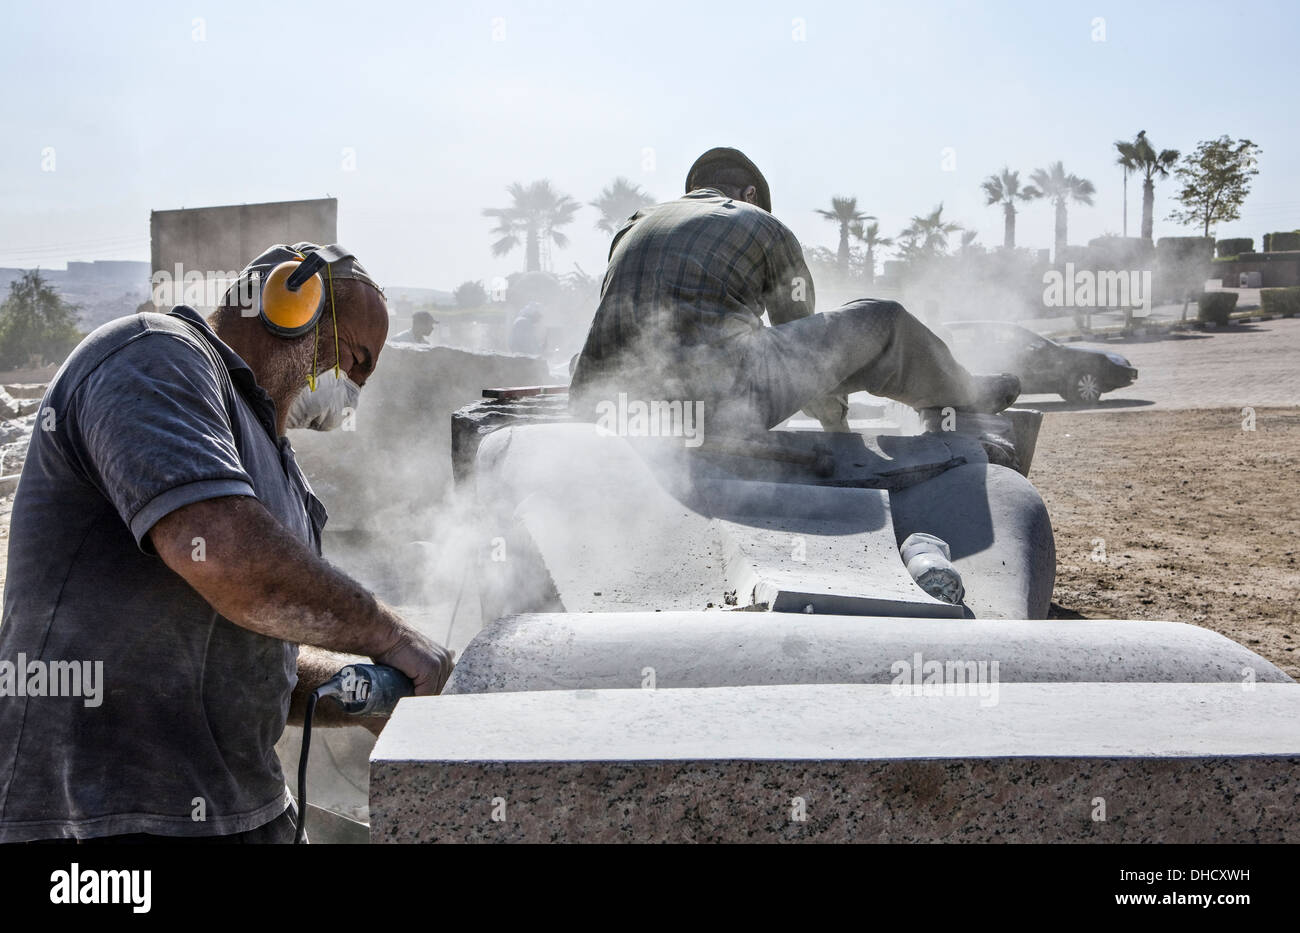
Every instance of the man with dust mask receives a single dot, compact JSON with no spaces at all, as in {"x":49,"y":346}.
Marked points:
{"x":162,"y":526}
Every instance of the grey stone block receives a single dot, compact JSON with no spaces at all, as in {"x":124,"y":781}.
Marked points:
{"x":723,"y":649}
{"x":595,"y":523}
{"x":850,"y":763}
{"x":588,"y":528}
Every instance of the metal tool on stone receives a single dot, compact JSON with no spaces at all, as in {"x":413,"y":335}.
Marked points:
{"x":362,"y":690}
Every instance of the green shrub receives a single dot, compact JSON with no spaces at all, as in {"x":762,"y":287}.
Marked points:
{"x":1283,"y":301}
{"x":1281,"y":242}
{"x":1234,"y":246}
{"x":1215,"y":306}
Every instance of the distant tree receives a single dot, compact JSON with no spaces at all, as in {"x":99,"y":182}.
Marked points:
{"x":968,"y":240}
{"x":822,"y":263}
{"x":844,"y":211}
{"x":1216,"y":179}
{"x":533,"y":219}
{"x":927,"y":235}
{"x":35,"y":322}
{"x":470,"y":295}
{"x":1141,"y":156}
{"x":870,"y":238}
{"x":618,"y":202}
{"x":1060,"y":188}
{"x":1128,"y":162}
{"x":1004,"y":188}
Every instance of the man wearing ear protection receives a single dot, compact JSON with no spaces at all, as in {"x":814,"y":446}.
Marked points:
{"x":164,"y":566}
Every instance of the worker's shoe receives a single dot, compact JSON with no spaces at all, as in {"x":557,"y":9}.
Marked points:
{"x":992,"y":393}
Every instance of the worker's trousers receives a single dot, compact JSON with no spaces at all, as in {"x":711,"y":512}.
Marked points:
{"x":756,"y":381}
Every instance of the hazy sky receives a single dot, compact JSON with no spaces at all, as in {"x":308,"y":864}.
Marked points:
{"x":166,"y":105}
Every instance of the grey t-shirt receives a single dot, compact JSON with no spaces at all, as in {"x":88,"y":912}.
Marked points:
{"x":150,"y":413}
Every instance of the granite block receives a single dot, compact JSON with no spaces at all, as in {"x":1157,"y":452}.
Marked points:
{"x":721,"y":649}
{"x":1130,"y":763}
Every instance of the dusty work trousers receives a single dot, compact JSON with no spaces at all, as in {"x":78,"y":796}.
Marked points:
{"x":867,"y":345}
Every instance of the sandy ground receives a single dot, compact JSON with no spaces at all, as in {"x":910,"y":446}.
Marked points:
{"x":1196,"y":519}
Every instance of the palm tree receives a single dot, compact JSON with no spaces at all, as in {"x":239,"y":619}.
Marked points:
{"x":871,"y":238}
{"x":619,"y":201}
{"x":1059,"y":188}
{"x":1141,"y":156}
{"x":1005,"y":189}
{"x":967,"y":240}
{"x":927,"y":235}
{"x":844,"y":211}
{"x":1128,"y":162}
{"x":535,"y":216}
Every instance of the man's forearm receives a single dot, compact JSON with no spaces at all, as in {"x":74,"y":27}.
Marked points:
{"x":260,"y":577}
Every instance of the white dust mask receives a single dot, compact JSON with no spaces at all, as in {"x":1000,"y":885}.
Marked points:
{"x":324,"y":408}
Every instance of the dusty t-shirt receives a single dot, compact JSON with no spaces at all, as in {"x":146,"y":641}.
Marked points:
{"x":131,"y":705}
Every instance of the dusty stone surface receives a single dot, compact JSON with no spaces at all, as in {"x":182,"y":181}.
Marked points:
{"x":1172,"y":762}
{"x":587,"y":522}
{"x":551,"y":651}
{"x":797,"y":548}
{"x":586,"y":527}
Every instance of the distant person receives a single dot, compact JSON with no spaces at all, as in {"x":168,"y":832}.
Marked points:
{"x":527,"y":335}
{"x":421,"y":326}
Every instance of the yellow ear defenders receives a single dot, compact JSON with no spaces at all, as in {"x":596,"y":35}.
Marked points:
{"x":292,"y":296}
{"x":292,"y":284}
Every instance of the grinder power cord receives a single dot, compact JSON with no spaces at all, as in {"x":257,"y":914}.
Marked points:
{"x":362,"y":690}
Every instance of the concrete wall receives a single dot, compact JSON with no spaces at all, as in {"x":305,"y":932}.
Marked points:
{"x":1277,"y":270}
{"x":214,"y":240}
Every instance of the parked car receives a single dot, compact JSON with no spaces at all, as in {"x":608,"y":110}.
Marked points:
{"x":1077,"y":374}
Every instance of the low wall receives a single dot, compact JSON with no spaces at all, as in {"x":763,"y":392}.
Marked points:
{"x":1277,"y":270}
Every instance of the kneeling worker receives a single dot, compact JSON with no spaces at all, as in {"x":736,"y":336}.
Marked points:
{"x":680,"y":317}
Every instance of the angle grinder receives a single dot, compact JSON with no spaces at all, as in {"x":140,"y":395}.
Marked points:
{"x":362,"y":690}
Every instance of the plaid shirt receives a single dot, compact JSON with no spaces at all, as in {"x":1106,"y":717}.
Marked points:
{"x":685,"y":279}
